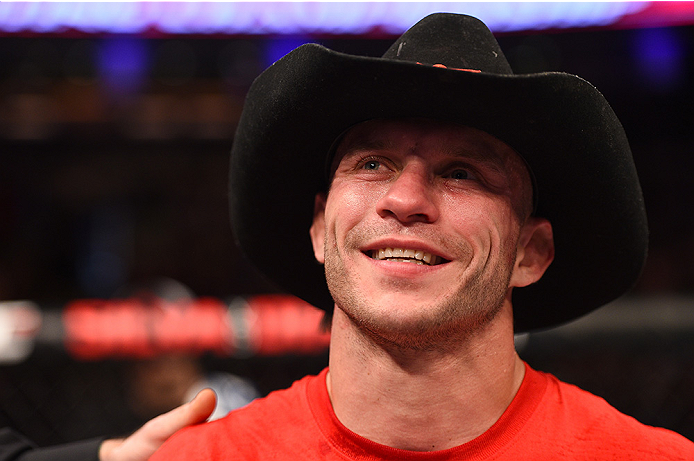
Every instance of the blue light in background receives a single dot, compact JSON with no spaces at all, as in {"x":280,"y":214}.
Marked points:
{"x":659,"y":56}
{"x":123,"y":64}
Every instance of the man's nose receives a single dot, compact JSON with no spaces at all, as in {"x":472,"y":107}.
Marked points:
{"x":410,"y":197}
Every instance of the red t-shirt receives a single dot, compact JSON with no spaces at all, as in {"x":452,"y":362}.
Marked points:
{"x":547,"y":420}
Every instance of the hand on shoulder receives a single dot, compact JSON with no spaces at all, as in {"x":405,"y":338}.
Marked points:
{"x":146,"y":440}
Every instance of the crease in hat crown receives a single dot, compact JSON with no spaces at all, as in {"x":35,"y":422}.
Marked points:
{"x":456,"y":41}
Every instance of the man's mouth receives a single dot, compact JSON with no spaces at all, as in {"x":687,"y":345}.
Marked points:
{"x":407,"y":255}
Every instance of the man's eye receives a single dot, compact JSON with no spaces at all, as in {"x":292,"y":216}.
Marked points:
{"x":372,"y":165}
{"x":461,"y":174}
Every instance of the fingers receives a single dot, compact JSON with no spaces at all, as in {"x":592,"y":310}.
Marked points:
{"x":146,"y":440}
{"x":194,"y":412}
{"x":202,"y":406}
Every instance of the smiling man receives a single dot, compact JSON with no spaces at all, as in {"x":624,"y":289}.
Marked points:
{"x":420,"y":198}
{"x":453,"y":194}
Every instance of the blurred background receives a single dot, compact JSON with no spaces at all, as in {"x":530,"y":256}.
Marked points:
{"x":121,"y":290}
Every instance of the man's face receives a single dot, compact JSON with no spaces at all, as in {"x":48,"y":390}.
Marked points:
{"x":420,"y":230}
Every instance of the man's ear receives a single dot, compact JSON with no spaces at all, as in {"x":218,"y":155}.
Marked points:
{"x":318,"y":227}
{"x":535,"y":252}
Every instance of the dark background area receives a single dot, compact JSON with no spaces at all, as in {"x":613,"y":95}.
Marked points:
{"x":111,"y":177}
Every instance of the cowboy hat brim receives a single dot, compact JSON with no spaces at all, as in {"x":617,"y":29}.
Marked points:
{"x":573,"y":143}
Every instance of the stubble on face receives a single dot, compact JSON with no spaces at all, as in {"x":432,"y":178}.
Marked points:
{"x":445,"y":323}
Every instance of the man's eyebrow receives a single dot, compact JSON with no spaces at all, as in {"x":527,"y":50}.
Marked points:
{"x":482,"y":154}
{"x":349,"y":147}
{"x":489,"y":159}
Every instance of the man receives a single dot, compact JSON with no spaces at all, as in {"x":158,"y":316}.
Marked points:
{"x":434,"y":186}
{"x":137,"y":447}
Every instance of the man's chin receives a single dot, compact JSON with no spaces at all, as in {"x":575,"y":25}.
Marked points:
{"x":407,"y":331}
{"x":424,"y":327}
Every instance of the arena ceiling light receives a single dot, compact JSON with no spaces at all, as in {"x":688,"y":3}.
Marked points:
{"x":321,"y":18}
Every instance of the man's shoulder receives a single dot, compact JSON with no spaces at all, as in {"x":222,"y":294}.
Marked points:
{"x":284,"y":405}
{"x":589,"y":420}
{"x":280,"y":406}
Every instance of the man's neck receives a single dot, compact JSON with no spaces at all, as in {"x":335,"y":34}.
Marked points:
{"x":422,"y":401}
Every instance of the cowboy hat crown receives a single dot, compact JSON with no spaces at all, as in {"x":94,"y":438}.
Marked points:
{"x":440,"y":40}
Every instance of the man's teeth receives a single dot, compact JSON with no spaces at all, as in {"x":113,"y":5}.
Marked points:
{"x":405,"y":255}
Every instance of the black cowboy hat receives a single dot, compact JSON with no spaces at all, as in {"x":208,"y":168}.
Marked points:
{"x":573,"y":143}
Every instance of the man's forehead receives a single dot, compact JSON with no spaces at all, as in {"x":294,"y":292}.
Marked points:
{"x":448,"y":138}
